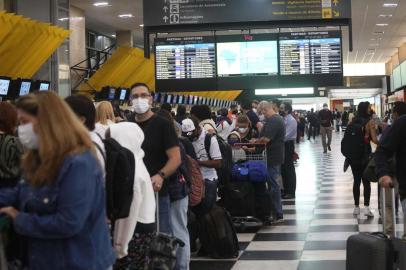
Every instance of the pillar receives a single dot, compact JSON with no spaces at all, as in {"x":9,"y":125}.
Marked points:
{"x":77,"y":43}
{"x":124,"y":38}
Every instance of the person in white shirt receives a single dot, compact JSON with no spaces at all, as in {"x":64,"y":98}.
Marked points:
{"x":224,"y":127}
{"x":104,"y":118}
{"x":130,"y":136}
{"x":208,"y":159}
{"x":203,"y":115}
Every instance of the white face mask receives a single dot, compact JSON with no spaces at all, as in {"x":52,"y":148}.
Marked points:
{"x":261,"y":117}
{"x":254,"y":110}
{"x":140,"y":105}
{"x":242,"y":130}
{"x":27,"y":136}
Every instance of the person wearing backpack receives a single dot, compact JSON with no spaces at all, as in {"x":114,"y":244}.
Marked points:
{"x":356,"y":147}
{"x":326,"y":127}
{"x":208,"y":162}
{"x":203,"y":114}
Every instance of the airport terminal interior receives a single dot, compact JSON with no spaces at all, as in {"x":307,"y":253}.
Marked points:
{"x":202,"y":134}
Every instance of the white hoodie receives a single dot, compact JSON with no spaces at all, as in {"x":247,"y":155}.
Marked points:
{"x":130,"y":136}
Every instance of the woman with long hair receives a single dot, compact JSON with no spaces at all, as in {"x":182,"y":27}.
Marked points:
{"x":59,"y":206}
{"x":10,"y":147}
{"x":104,"y":117}
{"x":363,"y":118}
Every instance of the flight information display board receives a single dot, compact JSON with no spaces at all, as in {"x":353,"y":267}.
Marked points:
{"x":254,"y":61}
{"x":256,"y":57}
{"x":310,"y":53}
{"x":186,"y":58}
{"x":180,"y":61}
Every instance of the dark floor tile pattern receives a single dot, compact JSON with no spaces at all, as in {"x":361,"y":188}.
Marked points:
{"x":317,"y":223}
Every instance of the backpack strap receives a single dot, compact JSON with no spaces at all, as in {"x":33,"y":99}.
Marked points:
{"x":100,"y":150}
{"x":207,"y":144}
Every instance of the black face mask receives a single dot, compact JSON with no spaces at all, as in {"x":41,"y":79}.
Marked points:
{"x":235,"y":112}
{"x":192,"y":137}
{"x":282,"y":113}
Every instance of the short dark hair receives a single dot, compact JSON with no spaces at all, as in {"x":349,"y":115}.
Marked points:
{"x":363,"y":109}
{"x":82,"y":106}
{"x":201,"y":112}
{"x":399,"y":108}
{"x":140,"y":84}
{"x":181,"y":110}
{"x":233,"y":106}
{"x":255,"y":101}
{"x":223,"y":112}
{"x":277,"y":102}
{"x":8,"y":118}
{"x":167,"y":107}
{"x":288,"y":107}
{"x":246,"y":105}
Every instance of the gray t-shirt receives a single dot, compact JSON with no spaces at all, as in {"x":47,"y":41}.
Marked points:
{"x":274,"y":130}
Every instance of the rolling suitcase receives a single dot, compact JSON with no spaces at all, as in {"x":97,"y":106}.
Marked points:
{"x":373,"y":251}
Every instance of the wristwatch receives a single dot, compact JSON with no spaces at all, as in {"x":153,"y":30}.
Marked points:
{"x":162,"y":174}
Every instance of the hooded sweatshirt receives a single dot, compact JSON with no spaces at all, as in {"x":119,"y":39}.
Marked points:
{"x":130,"y":136}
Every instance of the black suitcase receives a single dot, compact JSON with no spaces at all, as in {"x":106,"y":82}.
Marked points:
{"x":217,"y":234}
{"x":373,"y":251}
{"x":239,"y":199}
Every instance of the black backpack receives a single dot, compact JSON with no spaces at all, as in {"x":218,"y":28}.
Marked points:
{"x":224,"y":172}
{"x":120,"y":170}
{"x":353,"y":145}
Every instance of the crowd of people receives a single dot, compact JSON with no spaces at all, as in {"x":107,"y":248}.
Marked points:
{"x":60,"y":161}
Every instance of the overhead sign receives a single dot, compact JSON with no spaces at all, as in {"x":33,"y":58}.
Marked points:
{"x":180,"y":12}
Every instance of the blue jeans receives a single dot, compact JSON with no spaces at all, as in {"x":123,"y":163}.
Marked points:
{"x":179,"y":228}
{"x":164,"y":215}
{"x":274,"y":173}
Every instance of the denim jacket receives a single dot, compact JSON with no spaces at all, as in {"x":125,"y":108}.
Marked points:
{"x":65,"y":222}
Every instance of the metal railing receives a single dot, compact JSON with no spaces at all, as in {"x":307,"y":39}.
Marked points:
{"x":95,"y":59}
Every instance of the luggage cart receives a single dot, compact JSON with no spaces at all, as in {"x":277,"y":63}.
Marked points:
{"x":244,"y":215}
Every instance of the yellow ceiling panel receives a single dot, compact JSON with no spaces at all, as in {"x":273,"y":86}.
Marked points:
{"x":26,"y":44}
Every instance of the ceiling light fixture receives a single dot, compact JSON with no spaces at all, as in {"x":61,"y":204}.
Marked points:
{"x":390,"y":5}
{"x":378,"y":33}
{"x":113,"y":35}
{"x":125,"y":16}
{"x":385,"y":15}
{"x":63,"y":19}
{"x":141,"y":25}
{"x":382,"y":24}
{"x":374,"y":44}
{"x":284,"y":91}
{"x":102,"y":4}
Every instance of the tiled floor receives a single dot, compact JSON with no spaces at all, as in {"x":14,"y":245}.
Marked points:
{"x":317,"y":224}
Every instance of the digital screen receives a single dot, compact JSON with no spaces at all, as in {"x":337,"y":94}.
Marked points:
{"x":247,"y":58}
{"x":4,"y":85}
{"x":310,"y":53}
{"x":25,"y":88}
{"x":123,"y":94}
{"x":44,"y":87}
{"x":112,"y":94}
{"x":185,"y":58}
{"x":397,"y":78}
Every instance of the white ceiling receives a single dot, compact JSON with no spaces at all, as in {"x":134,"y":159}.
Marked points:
{"x":365,"y":15}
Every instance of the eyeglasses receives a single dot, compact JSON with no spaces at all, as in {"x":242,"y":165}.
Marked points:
{"x":144,"y":95}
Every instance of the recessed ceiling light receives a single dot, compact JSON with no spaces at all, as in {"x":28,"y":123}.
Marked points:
{"x":63,"y":19}
{"x":385,"y":15}
{"x":382,"y":24}
{"x":378,"y":33}
{"x":102,"y":4}
{"x":141,"y":25}
{"x":113,"y":35}
{"x":390,"y":5}
{"x":125,"y":16}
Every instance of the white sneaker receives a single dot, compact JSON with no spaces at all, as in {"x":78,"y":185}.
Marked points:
{"x":357,"y":211}
{"x":368,"y":212}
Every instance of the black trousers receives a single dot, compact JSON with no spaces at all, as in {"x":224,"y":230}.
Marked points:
{"x":312,"y":132}
{"x":288,"y":169}
{"x":357,"y":171}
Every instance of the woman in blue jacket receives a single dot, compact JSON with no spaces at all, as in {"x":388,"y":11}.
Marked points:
{"x":59,"y":206}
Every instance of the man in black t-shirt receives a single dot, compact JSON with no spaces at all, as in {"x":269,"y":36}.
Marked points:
{"x":161,"y":147}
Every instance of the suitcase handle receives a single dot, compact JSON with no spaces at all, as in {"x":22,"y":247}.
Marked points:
{"x":383,"y":208}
